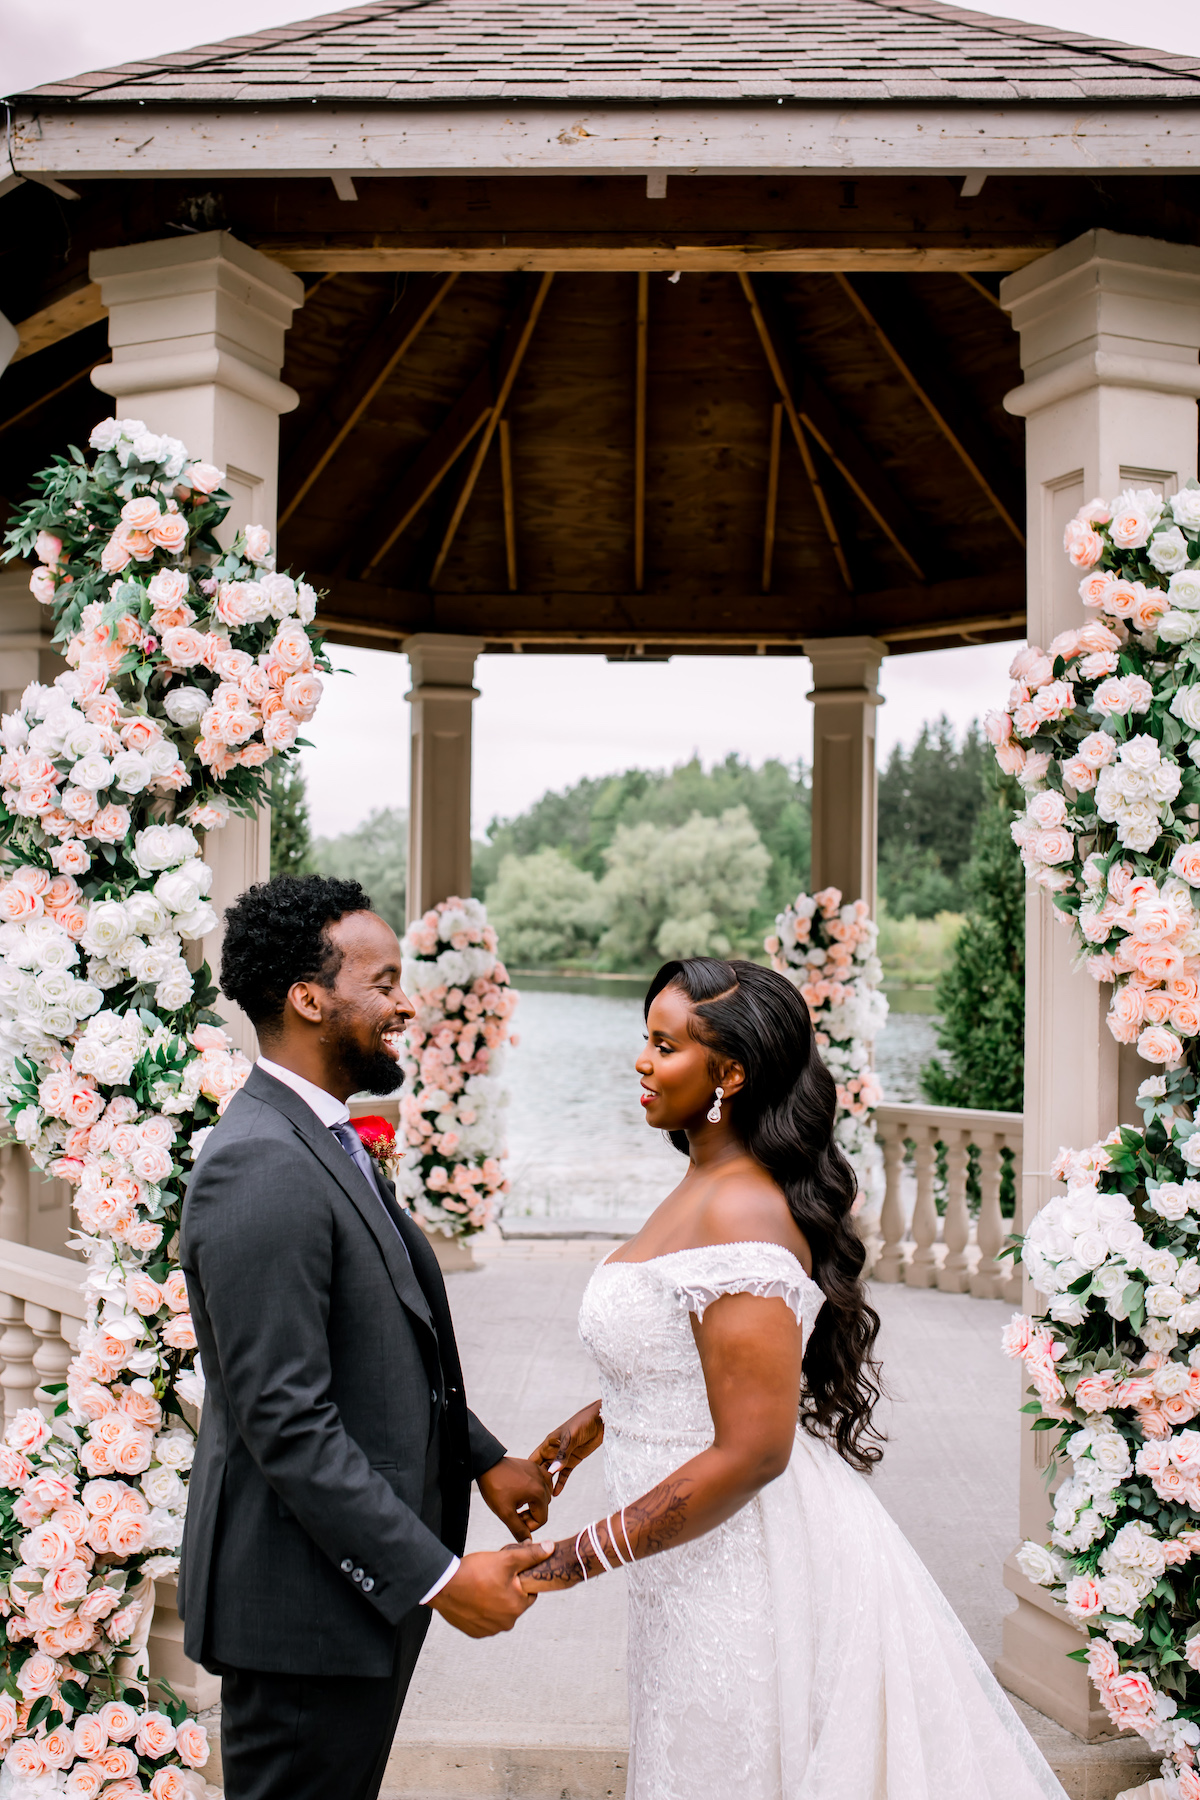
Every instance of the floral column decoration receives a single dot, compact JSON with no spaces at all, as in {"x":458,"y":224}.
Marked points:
{"x":1103,"y":731}
{"x":448,"y":1160}
{"x":829,"y":951}
{"x":192,"y":669}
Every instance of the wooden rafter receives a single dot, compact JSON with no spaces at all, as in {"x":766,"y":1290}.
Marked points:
{"x":516,"y":349}
{"x":437,"y":457}
{"x":61,"y":387}
{"x":639,"y":433}
{"x":357,"y":388}
{"x":510,"y":507}
{"x":979,"y":287}
{"x":802,"y":443}
{"x":899,"y":343}
{"x":811,"y":407}
{"x":62,"y":318}
{"x":772,"y":494}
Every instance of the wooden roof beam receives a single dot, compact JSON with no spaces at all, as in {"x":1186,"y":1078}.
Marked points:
{"x":805,"y":400}
{"x":357,"y":388}
{"x":888,"y":318}
{"x":639,"y":432}
{"x":516,"y":343}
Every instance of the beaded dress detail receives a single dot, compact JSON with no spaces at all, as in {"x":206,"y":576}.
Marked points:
{"x":801,"y":1651}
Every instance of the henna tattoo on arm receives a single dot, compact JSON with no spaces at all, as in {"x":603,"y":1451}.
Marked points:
{"x":659,"y":1517}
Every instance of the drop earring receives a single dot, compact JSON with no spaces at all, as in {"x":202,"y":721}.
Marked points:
{"x":713,"y":1115}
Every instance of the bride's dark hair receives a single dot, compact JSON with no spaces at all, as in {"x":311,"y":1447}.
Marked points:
{"x":784,"y":1116}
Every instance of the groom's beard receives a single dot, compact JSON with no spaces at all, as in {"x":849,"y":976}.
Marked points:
{"x":370,"y":1071}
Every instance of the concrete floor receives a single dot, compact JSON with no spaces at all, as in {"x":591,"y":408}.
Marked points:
{"x":541,"y":1712}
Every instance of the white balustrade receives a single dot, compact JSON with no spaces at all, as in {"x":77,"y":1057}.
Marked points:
{"x":945,"y":1253}
{"x":41,"y":1309}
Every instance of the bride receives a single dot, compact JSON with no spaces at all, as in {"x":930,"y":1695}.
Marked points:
{"x":785,"y":1641}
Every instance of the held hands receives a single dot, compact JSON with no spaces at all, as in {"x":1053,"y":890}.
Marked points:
{"x":517,"y":1492}
{"x":484,"y":1595}
{"x":564,"y":1449}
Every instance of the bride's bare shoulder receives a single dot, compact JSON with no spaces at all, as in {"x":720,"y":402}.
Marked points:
{"x":750,"y":1208}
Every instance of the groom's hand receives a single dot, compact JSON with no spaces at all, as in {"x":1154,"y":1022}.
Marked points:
{"x":517,"y":1492}
{"x":484,"y":1595}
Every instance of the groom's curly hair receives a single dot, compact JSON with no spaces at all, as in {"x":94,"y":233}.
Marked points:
{"x":277,"y":933}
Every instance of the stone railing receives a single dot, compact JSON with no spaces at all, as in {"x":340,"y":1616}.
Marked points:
{"x":952,"y":1252}
{"x":41,"y":1309}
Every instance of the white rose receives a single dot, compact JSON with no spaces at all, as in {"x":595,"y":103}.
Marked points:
{"x":1110,"y":1282}
{"x":1038,"y":1564}
{"x":1111,"y":1453}
{"x":1159,"y":1265}
{"x":107,"y":926}
{"x":1186,"y":706}
{"x":279,"y":592}
{"x":186,"y":706}
{"x":1185,"y":506}
{"x":1091,"y":1249}
{"x":306,"y":603}
{"x":161,"y":757}
{"x":56,"y":952}
{"x":1191,"y":1149}
{"x":1187,"y":1276}
{"x":1177,"y":627}
{"x":176,"y":990}
{"x":92,"y":771}
{"x":1162,"y":1300}
{"x":105,"y":435}
{"x":1117,"y":1595}
{"x":1168,"y":550}
{"x":1168,"y":1200}
{"x":129,"y":771}
{"x":163,"y":847}
{"x":175,"y":1449}
{"x":147,"y":915}
{"x":54,"y":985}
{"x":150,"y":963}
{"x":85,"y":998}
{"x":197,"y":922}
{"x":162,"y":1486}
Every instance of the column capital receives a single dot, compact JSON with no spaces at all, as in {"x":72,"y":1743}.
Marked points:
{"x":849,"y":663}
{"x":196,"y":311}
{"x":443,"y":666}
{"x":1106,"y":310}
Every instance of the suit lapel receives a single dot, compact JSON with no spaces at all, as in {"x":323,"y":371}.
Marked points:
{"x":344,"y":1170}
{"x":429,"y":1274}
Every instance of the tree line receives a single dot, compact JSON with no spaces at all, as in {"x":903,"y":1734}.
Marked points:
{"x":621,"y":872}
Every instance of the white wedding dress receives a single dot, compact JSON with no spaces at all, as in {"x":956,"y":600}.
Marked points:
{"x":801,"y":1651}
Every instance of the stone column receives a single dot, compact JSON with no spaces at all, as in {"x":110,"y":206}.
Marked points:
{"x":439,"y":817}
{"x":1110,"y":329}
{"x":844,"y":798}
{"x":196,"y":326}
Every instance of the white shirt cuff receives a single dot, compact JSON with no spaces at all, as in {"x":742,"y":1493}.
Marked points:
{"x":447,"y":1574}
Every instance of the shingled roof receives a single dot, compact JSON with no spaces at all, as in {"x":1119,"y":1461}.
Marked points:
{"x":645,"y":50}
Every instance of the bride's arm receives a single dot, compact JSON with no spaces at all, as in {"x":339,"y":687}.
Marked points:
{"x":750,"y":1351}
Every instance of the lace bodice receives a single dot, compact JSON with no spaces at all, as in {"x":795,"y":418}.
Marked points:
{"x":800,"y":1651}
{"x":636,"y":1322}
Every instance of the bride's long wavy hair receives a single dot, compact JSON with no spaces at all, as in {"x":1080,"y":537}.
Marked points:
{"x":784,"y":1116}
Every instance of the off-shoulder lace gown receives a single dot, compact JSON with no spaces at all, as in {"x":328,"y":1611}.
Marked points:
{"x":801,"y":1651}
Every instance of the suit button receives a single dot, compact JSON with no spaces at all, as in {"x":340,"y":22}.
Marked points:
{"x":357,"y":1575}
{"x":433,"y":1396}
{"x":368,"y":1584}
{"x":347,"y":1566}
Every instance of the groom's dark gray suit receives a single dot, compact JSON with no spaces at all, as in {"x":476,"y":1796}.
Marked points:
{"x":332,"y":1477}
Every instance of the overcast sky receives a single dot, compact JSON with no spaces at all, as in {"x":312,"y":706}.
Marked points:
{"x":545,"y":721}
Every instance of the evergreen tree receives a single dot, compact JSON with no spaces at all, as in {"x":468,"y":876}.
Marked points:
{"x":376,"y":854}
{"x":929,"y":798}
{"x":982,"y":994}
{"x":291,"y":836}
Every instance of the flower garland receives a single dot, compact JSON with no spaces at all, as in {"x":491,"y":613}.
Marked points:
{"x":449,"y":1171}
{"x":1103,"y":732}
{"x":828,"y":950}
{"x":1114,"y":1367}
{"x":191,"y":669}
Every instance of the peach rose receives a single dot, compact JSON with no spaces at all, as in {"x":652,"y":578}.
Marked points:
{"x":117,"y":1760}
{"x":179,"y":1332}
{"x":130,"y":1457}
{"x":71,"y":857}
{"x":183,"y":647}
{"x":1157,"y":962}
{"x":191,"y":1742}
{"x":169,"y":532}
{"x":72,"y":1518}
{"x":67,"y":1584}
{"x":156,"y":1735}
{"x":145,"y":1296}
{"x":279,"y":732}
{"x":175,"y":1784}
{"x":119,"y":1721}
{"x":27,"y":1431}
{"x":1095,"y":588}
{"x":143,"y":1234}
{"x":204,"y":477}
{"x":1148,"y":609}
{"x":90,"y":1735}
{"x":140,"y":514}
{"x":253,"y":756}
{"x":115,"y":555}
{"x":58,"y":1748}
{"x":290,"y":649}
{"x":140,"y":733}
{"x":1186,"y":864}
{"x":175,"y":1291}
{"x":1084,"y":546}
{"x":48,"y":1491}
{"x":25,"y":1759}
{"x":1158,"y":1045}
{"x":40,"y":1675}
{"x":1185,"y":1018}
{"x":99,"y":1604}
{"x":302,"y":695}
{"x":111,"y":824}
{"x":1057,"y":846}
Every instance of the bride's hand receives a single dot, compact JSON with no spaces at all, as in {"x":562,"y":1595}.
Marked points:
{"x":565,"y":1448}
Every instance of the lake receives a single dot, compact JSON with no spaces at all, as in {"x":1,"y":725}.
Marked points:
{"x":579,"y":1146}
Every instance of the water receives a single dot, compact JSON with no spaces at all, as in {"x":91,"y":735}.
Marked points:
{"x":579,"y":1145}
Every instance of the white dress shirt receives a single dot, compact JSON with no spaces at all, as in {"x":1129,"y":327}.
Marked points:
{"x":332,"y":1111}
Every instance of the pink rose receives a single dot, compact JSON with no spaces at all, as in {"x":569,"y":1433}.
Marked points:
{"x":111,"y":824}
{"x":116,"y":554}
{"x":1079,"y":775}
{"x":42,"y":585}
{"x":68,"y":1583}
{"x":27,"y":1431}
{"x":302,"y":694}
{"x":116,"y":1760}
{"x":1095,"y":589}
{"x":258,"y":543}
{"x":156,"y":1735}
{"x":47,"y":547}
{"x":145,"y":1296}
{"x":179,"y":1332}
{"x":169,"y":532}
{"x":279,"y":731}
{"x":1131,"y":525}
{"x":183,"y":647}
{"x":191,"y":1742}
{"x":1057,"y":846}
{"x":1158,"y":1045}
{"x":204,"y":477}
{"x":140,"y":514}
{"x":175,"y":1291}
{"x":290,"y":649}
{"x":1084,"y":546}
{"x":174,"y":1783}
{"x":119,"y":1721}
{"x":25,"y":1759}
{"x":99,"y":1604}
{"x":38,"y":1676}
{"x":71,"y":857}
{"x":1186,"y":864}
{"x":90,"y":1735}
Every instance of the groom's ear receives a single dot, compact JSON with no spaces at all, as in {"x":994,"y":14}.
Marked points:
{"x":309,"y":999}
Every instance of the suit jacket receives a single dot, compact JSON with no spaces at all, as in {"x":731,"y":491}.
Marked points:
{"x":336,"y":1453}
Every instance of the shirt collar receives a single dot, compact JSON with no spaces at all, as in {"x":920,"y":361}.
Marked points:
{"x":328,"y":1108}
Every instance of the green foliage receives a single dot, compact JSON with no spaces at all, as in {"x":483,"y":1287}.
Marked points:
{"x":376,"y":854}
{"x":583,"y":821}
{"x":545,"y":910}
{"x":982,"y":994}
{"x":291,"y":832}
{"x":915,"y":952}
{"x":929,"y":798}
{"x":690,"y":890}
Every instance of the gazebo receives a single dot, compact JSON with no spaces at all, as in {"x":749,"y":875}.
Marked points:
{"x":640,"y":330}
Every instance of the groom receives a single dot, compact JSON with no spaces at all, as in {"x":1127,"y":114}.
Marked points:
{"x":328,"y":1500}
